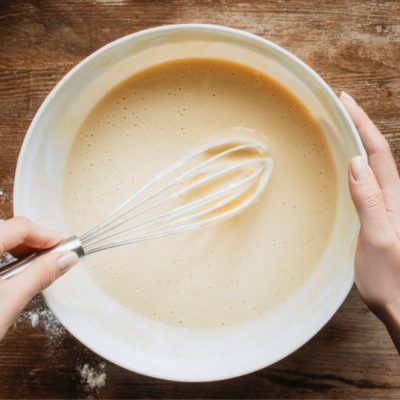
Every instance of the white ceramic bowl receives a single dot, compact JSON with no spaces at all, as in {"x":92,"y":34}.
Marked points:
{"x":130,"y":340}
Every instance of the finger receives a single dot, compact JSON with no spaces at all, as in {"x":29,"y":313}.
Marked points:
{"x":20,"y":231}
{"x":23,"y":250}
{"x":38,"y":276}
{"x":379,"y":155}
{"x":368,"y":200}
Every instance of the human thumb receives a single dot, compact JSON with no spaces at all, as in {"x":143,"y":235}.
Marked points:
{"x":368,"y":199}
{"x":40,"y":274}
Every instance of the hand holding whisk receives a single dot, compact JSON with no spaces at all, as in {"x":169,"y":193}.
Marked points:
{"x":210,"y":184}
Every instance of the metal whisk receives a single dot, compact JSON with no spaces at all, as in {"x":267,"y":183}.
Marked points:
{"x":209,"y":184}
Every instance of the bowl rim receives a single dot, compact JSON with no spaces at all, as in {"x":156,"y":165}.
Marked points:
{"x":188,"y":27}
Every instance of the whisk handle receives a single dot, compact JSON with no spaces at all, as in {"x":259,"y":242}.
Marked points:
{"x":72,"y":244}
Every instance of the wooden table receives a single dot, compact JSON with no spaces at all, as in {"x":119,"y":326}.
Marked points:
{"x":354,"y":45}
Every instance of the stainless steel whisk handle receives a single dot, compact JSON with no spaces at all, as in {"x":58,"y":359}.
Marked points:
{"x":71,"y":244}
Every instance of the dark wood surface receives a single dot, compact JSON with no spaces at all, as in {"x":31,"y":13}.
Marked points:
{"x":354,"y":45}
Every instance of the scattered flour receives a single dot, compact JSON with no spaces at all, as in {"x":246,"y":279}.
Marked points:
{"x":44,"y":318}
{"x":40,"y":317}
{"x":3,"y":196}
{"x":34,"y":320}
{"x":93,"y":378}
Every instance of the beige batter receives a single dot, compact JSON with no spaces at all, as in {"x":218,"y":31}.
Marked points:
{"x":229,"y":273}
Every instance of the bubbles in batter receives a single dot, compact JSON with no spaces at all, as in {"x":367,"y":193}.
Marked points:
{"x":229,"y":273}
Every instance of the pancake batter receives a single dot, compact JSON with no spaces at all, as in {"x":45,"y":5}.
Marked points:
{"x":231,"y":272}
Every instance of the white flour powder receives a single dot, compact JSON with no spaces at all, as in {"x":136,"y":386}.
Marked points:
{"x":93,"y":378}
{"x":40,"y":317}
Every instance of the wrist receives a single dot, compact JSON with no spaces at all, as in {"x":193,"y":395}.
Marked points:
{"x":388,"y":310}
{"x":389,"y":314}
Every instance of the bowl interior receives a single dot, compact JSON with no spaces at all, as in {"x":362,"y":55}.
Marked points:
{"x":130,"y":340}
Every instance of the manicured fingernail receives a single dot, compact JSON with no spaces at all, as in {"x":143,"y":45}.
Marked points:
{"x":67,"y":261}
{"x":359,"y":169}
{"x":347,"y":97}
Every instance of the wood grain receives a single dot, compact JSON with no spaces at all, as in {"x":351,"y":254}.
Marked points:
{"x":353,"y":45}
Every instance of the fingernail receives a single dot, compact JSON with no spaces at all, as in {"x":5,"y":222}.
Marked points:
{"x":67,"y":261}
{"x":347,"y":97}
{"x":359,"y":169}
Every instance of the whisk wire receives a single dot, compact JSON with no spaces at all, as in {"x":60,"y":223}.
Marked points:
{"x":176,"y":194}
{"x":112,"y":218}
{"x":190,"y":207}
{"x":119,"y":227}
